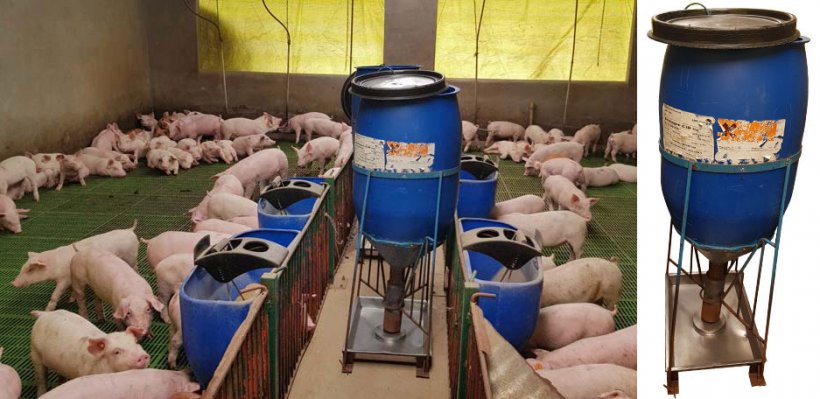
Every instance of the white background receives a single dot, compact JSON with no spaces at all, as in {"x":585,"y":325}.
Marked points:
{"x":794,"y":353}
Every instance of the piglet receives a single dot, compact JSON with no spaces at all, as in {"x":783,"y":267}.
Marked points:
{"x":552,"y":228}
{"x":212,"y":152}
{"x":297,"y":123}
{"x":196,"y":125}
{"x":528,"y":203}
{"x":10,"y":385}
{"x":72,"y":169}
{"x":72,"y":347}
{"x":560,"y":192}
{"x":101,"y":166}
{"x":49,"y":164}
{"x":534,"y":134}
{"x":602,"y":381}
{"x":627,"y":173}
{"x":170,"y":272}
{"x":621,"y":143}
{"x":53,"y":265}
{"x":469,"y":131}
{"x":562,"y":324}
{"x":160,"y":143}
{"x":345,"y":149}
{"x":515,"y":151}
{"x":175,"y":242}
{"x":247,"y":145}
{"x":590,"y":280}
{"x":10,"y":215}
{"x":619,"y":347}
{"x":223,"y":184}
{"x":250,"y":221}
{"x":221,"y":226}
{"x":116,"y":283}
{"x":555,"y":135}
{"x":566,"y":167}
{"x":133,"y":143}
{"x":225,"y":206}
{"x":503,"y":129}
{"x":174,"y":329}
{"x":588,"y":136}
{"x":545,"y":152}
{"x":192,"y":147}
{"x":184,"y":158}
{"x":238,"y":127}
{"x":259,"y":169}
{"x":125,"y":160}
{"x":164,"y":161}
{"x":131,"y":384}
{"x":228,"y":153}
{"x":324,"y":127}
{"x":320,"y":149}
{"x":106,"y":139}
{"x":147,"y":121}
{"x":600,"y":177}
{"x":18,"y":169}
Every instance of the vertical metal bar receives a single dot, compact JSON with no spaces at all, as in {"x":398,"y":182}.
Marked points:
{"x":272,"y":309}
{"x":571,"y":64}
{"x":759,"y":272}
{"x":776,"y":253}
{"x":678,"y":272}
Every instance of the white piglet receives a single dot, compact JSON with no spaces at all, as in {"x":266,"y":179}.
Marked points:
{"x":503,"y":129}
{"x":469,"y":131}
{"x":600,"y":177}
{"x":170,"y":243}
{"x":225,"y":206}
{"x":163,"y":160}
{"x":131,"y":384}
{"x":561,"y":193}
{"x":590,"y":280}
{"x":345,"y":149}
{"x":619,"y":348}
{"x":562,"y":324}
{"x":627,"y":173}
{"x":621,"y":143}
{"x":324,"y":127}
{"x":18,"y":169}
{"x":72,"y":347}
{"x":10,"y":384}
{"x":524,"y":204}
{"x":588,"y":136}
{"x":320,"y":150}
{"x":534,"y":134}
{"x":507,"y":149}
{"x":259,"y":169}
{"x":552,"y":228}
{"x":10,"y":215}
{"x":116,"y":283}
{"x":170,"y":272}
{"x":247,"y":145}
{"x":239,"y":127}
{"x":566,"y":167}
{"x":297,"y":123}
{"x":542,"y":153}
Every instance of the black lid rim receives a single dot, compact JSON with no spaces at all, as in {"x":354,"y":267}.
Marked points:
{"x":665,"y":31}
{"x":437,"y":87}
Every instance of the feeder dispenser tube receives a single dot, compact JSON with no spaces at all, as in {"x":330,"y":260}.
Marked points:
{"x":713,"y":292}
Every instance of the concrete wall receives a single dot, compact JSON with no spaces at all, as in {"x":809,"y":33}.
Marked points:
{"x":409,"y":38}
{"x":67,"y":69}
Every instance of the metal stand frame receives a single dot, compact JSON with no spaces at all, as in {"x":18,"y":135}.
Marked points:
{"x":742,"y":315}
{"x":364,"y":340}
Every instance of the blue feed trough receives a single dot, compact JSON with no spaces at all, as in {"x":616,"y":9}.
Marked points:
{"x":289,"y":205}
{"x":514,"y":310}
{"x":208,"y":307}
{"x":478,"y":181}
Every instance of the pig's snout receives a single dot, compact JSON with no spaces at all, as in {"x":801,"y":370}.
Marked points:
{"x":16,"y":284}
{"x":142,"y":361}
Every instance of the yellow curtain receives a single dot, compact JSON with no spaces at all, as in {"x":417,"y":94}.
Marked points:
{"x":532,"y":39}
{"x":319,"y":30}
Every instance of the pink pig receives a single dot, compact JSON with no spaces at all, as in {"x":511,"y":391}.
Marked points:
{"x":560,"y":192}
{"x":619,"y":348}
{"x":528,"y":203}
{"x":125,"y":160}
{"x":246,"y":145}
{"x":469,"y":131}
{"x":116,"y":283}
{"x":224,"y":184}
{"x":297,"y":123}
{"x":228,"y":153}
{"x":345,"y":149}
{"x":222,"y":226}
{"x":10,"y":215}
{"x":588,"y":136}
{"x":18,"y":169}
{"x":545,"y":152}
{"x":195,"y":125}
{"x":258,"y":169}
{"x":72,"y":169}
{"x":102,"y":166}
{"x":163,"y":160}
{"x":503,"y":129}
{"x":324,"y":127}
{"x":250,"y":221}
{"x":170,"y":272}
{"x":131,"y":384}
{"x":191,"y":146}
{"x":175,"y":329}
{"x":10,"y":384}
{"x":320,"y":149}
{"x":72,"y":347}
{"x":106,"y":139}
{"x":238,"y":127}
{"x":225,"y":206}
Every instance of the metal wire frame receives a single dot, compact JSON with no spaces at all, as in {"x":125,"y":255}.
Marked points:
{"x":750,"y":323}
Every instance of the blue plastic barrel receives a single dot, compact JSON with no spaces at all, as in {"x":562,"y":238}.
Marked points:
{"x":210,"y":317}
{"x":514,"y":310}
{"x":405,"y":148}
{"x":737,"y":114}
{"x":350,"y":102}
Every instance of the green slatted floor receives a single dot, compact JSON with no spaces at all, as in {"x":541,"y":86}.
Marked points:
{"x":158,"y":202}
{"x":612,"y":231}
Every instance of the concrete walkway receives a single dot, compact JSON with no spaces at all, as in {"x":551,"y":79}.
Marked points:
{"x":320,"y":372}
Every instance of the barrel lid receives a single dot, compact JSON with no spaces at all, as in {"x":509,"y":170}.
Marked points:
{"x":724,"y":28}
{"x":398,"y":85}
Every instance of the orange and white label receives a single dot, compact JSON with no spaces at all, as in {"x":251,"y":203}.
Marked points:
{"x":742,"y":141}
{"x":392,"y":156}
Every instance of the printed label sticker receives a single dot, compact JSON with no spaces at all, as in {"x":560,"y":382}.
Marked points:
{"x":742,"y":141}
{"x":688,"y":135}
{"x":392,"y":156}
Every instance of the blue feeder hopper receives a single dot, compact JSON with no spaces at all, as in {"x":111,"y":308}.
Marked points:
{"x":504,"y":263}
{"x":478,"y":180}
{"x":288,"y":205}
{"x":732,"y":107}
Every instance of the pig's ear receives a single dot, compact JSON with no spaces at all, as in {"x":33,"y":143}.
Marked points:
{"x":575,"y":199}
{"x":593,"y":201}
{"x":96,"y":346}
{"x":136,"y":332}
{"x":121,"y":310}
{"x":32,"y":254}
{"x":307,"y":148}
{"x":111,"y":162}
{"x":60,"y":157}
{"x":156,"y":304}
